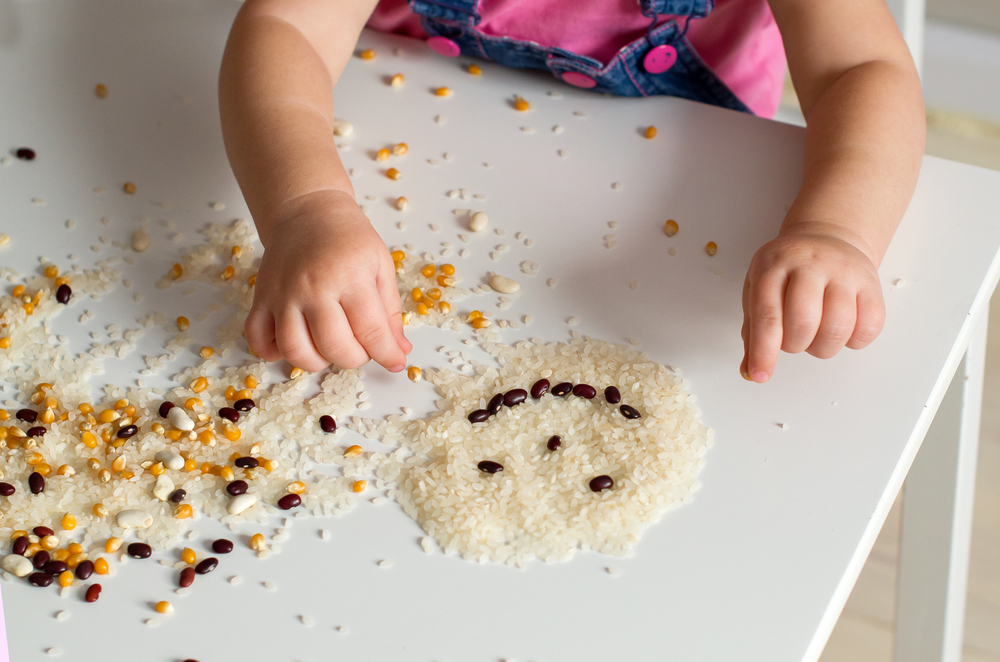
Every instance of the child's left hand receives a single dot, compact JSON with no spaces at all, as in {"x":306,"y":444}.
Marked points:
{"x":814,"y":288}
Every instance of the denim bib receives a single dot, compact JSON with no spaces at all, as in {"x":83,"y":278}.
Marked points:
{"x":662,"y":62}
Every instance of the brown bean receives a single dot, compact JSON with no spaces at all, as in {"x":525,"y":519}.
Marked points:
{"x":84,"y":570}
{"x":496,"y":402}
{"x":177,"y":495}
{"x":186,"y":578}
{"x":207,"y":565}
{"x":165,"y":407}
{"x":93,"y":592}
{"x":64,"y":293}
{"x":612,"y":395}
{"x":40,"y":579}
{"x":539,"y":388}
{"x":139,"y":550}
{"x":246,"y":462}
{"x":36,"y":482}
{"x":229,"y":414}
{"x":584,"y":391}
{"x":55,"y":568}
{"x":42,"y":531}
{"x":327,"y":423}
{"x":40,"y":558}
{"x":237,"y":487}
{"x":36,"y":431}
{"x":514,"y":397}
{"x":289,"y":501}
{"x":561,"y":389}
{"x":629,"y":412}
{"x":128,"y":431}
{"x":6,"y":489}
{"x":479,"y":416}
{"x":21,"y":545}
{"x":222,"y":546}
{"x":27,"y":415}
{"x":246,"y":404}
{"x":600,"y":483}
{"x":490,"y":467}
{"x":553,"y":443}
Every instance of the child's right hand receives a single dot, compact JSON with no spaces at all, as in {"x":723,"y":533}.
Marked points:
{"x":326,"y":290}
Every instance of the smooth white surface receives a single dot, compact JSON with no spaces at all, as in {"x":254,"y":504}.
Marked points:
{"x":756,"y":568}
{"x":911,"y":16}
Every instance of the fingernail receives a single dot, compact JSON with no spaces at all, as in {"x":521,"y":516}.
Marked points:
{"x":399,"y":367}
{"x":760,"y":377}
{"x":746,"y":375}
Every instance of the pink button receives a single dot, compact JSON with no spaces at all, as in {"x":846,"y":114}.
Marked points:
{"x":444,"y":46}
{"x":659,"y":59}
{"x":578,"y":79}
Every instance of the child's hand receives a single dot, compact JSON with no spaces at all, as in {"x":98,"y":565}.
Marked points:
{"x":814,"y":289}
{"x":326,"y":290}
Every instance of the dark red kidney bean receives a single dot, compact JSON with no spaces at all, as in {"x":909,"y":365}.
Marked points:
{"x":84,"y":570}
{"x":186,"y":578}
{"x":93,"y":592}
{"x":613,"y":395}
{"x":496,"y":402}
{"x":207,"y":565}
{"x":479,"y":416}
{"x":600,"y":483}
{"x":539,"y":388}
{"x":36,"y":482}
{"x":327,"y":424}
{"x":177,"y":496}
{"x":229,"y":414}
{"x":561,"y":389}
{"x":189,"y":660}
{"x":128,"y":431}
{"x":584,"y":391}
{"x":21,"y":545}
{"x":40,"y":558}
{"x":36,"y":431}
{"x":6,"y":489}
{"x":64,"y":293}
{"x":515,"y":397}
{"x":246,"y":462}
{"x":629,"y":412}
{"x":55,"y":568}
{"x":27,"y":415}
{"x":165,"y":408}
{"x":139,"y":550}
{"x":554,"y":442}
{"x":246,"y":404}
{"x":289,"y":501}
{"x":40,"y":579}
{"x":237,"y":487}
{"x":222,"y":546}
{"x":42,"y":531}
{"x":25,"y":154}
{"x":490,"y":467}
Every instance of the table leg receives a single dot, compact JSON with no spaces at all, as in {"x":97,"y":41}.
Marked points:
{"x":911,"y":16}
{"x":936,"y":528}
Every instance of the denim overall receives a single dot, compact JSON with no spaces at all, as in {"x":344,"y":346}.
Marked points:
{"x":662,"y":62}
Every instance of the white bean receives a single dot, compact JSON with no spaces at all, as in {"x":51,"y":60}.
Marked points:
{"x":170,"y":460}
{"x":241,"y":503}
{"x":479,"y":221}
{"x":134,"y":519}
{"x":164,"y":487}
{"x":180,"y":420}
{"x":17,"y":565}
{"x":504,"y":284}
{"x":342,"y":128}
{"x":140,"y":240}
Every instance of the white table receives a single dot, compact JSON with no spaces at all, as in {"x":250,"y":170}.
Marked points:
{"x":758,"y":567}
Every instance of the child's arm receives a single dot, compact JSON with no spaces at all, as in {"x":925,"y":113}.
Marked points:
{"x":326,"y":289}
{"x":815,"y":287}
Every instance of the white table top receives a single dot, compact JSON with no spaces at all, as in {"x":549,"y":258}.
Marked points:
{"x":756,"y":568}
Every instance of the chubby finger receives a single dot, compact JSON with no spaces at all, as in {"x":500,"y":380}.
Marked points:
{"x":745,"y":329}
{"x":368,"y":320}
{"x":871,"y":318}
{"x":840,"y":312}
{"x":258,"y":329}
{"x":803,"y":312}
{"x":332,"y":335}
{"x":295,"y":342}
{"x":388,"y":292}
{"x":764,"y":301}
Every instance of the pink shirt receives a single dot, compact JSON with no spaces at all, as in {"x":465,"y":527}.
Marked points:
{"x":739,"y":41}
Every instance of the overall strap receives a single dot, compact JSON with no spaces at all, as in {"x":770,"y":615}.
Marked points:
{"x":463,"y":12}
{"x":692,"y":8}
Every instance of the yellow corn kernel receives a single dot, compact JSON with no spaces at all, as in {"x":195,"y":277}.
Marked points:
{"x":18,"y":290}
{"x":445,"y":281}
{"x":106,"y":435}
{"x":51,"y":271}
{"x":231,"y":432}
{"x":206,"y":437}
{"x":190,"y":465}
{"x":252,"y":280}
{"x":191,"y":403}
{"x":183,"y":511}
{"x":398,"y":256}
{"x":296,"y":487}
{"x":94,"y":464}
{"x":397,"y":80}
{"x":228,"y":272}
{"x":112,"y":545}
{"x":101,"y":566}
{"x":443,"y":91}
{"x":359,"y":486}
{"x":434,"y":293}
{"x":428,"y":271}
{"x":121,"y":404}
{"x":75,"y":559}
{"x":448,"y":269}
{"x":29,"y":308}
{"x":183,"y":324}
{"x":255,"y":449}
{"x":414,"y":373}
{"x":392,"y":173}
{"x":176,"y":271}
{"x":60,"y":555}
{"x":4,"y":415}
{"x":250,"y":381}
{"x":406,"y":315}
{"x":383,"y":154}
{"x":33,"y":458}
{"x":50,"y":402}
{"x":206,"y":352}
{"x":101,"y":90}
{"x":3,"y":433}
{"x":118,"y":464}
{"x":62,"y":280}
{"x":129,"y":188}
{"x":429,"y":302}
{"x":243,"y":394}
{"x":173,"y":435}
{"x":43,"y":469}
{"x":5,"y":343}
{"x":422,"y":309}
{"x":163,"y":607}
{"x":235,"y":455}
{"x":68,"y":522}
{"x":74,"y":548}
{"x":99,"y":510}
{"x":521,"y":104}
{"x":32,"y":549}
{"x":268,"y":465}
{"x":474,"y":315}
{"x":65,"y":470}
{"x":47,"y":416}
{"x":37,"y":397}
{"x":130,"y":411}
{"x":444,"y":307}
{"x":227,"y":474}
{"x":670,"y":228}
{"x":367,"y":54}
{"x":257,"y":542}
{"x":650,"y":132}
{"x":199,"y":385}
{"x":37,"y":299}
{"x":474,"y":69}
{"x":236,"y":251}
{"x":157,"y":469}
{"x":402,"y":203}
{"x":481,"y":323}
{"x":206,"y":467}
{"x":188,"y":556}
{"x":86,"y":408}
{"x":49,"y":543}
{"x":711,"y":248}
{"x":400,"y":148}
{"x":104,"y":476}
{"x":65,"y":578}
{"x":353,"y":451}
{"x":230,"y":392}
{"x":64,"y":416}
{"x":417,"y":294}
{"x":108,"y":415}
{"x":295,"y":372}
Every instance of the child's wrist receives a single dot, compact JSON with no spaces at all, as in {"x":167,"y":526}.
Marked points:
{"x":329,"y":205}
{"x":803,"y":228}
